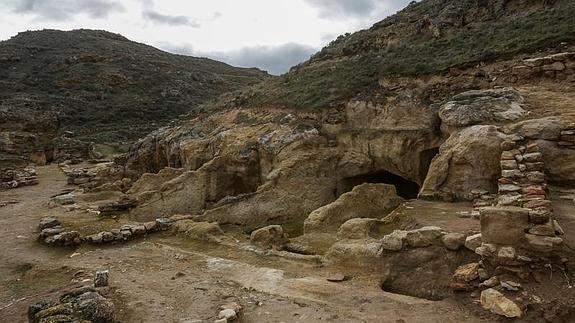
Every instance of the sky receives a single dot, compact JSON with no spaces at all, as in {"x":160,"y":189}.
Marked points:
{"x":272,"y":35}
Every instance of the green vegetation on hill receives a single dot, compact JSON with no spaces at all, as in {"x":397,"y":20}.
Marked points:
{"x":405,"y":45}
{"x":105,"y":87}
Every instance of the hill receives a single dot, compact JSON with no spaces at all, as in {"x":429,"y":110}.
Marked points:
{"x":426,"y":38}
{"x":104,"y":87}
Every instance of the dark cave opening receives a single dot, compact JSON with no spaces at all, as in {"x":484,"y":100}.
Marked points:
{"x":404,"y":187}
{"x":426,"y":157}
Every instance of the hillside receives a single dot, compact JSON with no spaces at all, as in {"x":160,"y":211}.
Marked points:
{"x":104,"y":87}
{"x":426,"y":38}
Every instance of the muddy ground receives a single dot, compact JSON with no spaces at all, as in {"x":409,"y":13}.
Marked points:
{"x":165,"y":278}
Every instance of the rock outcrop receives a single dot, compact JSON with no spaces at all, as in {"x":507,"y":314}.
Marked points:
{"x":467,"y":161}
{"x":364,"y":201}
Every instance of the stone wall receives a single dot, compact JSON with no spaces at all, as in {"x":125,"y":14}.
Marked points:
{"x":560,"y":66}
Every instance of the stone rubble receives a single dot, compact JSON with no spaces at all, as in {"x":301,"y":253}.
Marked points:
{"x":83,"y":304}
{"x":14,"y":178}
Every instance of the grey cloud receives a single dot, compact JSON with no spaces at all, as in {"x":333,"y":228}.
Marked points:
{"x":356,"y":8}
{"x":65,"y":9}
{"x":159,"y":18}
{"x":274,"y":59}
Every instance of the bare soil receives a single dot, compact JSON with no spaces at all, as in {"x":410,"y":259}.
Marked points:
{"x":165,"y":278}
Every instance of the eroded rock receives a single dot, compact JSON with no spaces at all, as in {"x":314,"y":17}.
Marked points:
{"x":497,"y":303}
{"x":364,"y":201}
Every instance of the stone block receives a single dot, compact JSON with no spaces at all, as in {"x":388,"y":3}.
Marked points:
{"x":532,"y":157}
{"x":394,"y":241}
{"x":542,"y":243}
{"x":539,"y":216}
{"x":513,"y":174}
{"x":509,"y":164}
{"x":545,"y":229}
{"x":504,"y":225}
{"x":424,"y":237}
{"x":536,"y":203}
{"x":453,"y":240}
{"x":506,"y":254}
{"x":534,"y":190}
{"x":473,"y":242}
{"x":508,"y":188}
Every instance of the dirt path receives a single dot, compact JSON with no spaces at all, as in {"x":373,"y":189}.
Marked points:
{"x":168,"y":279}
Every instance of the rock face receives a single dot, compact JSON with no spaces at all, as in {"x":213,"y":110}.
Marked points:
{"x":467,"y":161}
{"x":481,"y":107}
{"x":259,"y":168}
{"x":364,"y":201}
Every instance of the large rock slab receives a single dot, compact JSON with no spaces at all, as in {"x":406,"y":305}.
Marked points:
{"x":481,"y":107}
{"x":469,"y":160}
{"x":364,"y":201}
{"x":504,"y":225}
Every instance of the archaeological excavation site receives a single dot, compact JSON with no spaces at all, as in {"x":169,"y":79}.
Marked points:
{"x":419,"y":170}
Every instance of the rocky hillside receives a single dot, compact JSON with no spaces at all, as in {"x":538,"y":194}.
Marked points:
{"x":104,"y":87}
{"x":426,"y":38}
{"x":422,"y":100}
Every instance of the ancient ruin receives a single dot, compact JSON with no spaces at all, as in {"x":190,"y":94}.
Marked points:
{"x":421,"y":170}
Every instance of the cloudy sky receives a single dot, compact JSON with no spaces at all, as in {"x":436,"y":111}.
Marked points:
{"x":270,"y":34}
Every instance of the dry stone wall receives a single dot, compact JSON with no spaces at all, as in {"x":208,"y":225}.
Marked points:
{"x":560,"y":66}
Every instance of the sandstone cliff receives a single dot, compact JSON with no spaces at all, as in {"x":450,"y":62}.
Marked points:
{"x":422,"y":100}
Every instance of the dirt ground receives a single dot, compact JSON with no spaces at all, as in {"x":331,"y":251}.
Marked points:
{"x":168,"y":279}
{"x":164,"y":278}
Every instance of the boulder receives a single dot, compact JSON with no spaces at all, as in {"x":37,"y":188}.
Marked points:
{"x":473,"y":242}
{"x":358,"y":229}
{"x":394,"y":241}
{"x":497,"y":303}
{"x":424,"y":237}
{"x":364,"y":201}
{"x":469,"y":160}
{"x":453,"y":240}
{"x":504,"y":225}
{"x":548,"y":128}
{"x":476,"y":107}
{"x":269,"y":237}
{"x":466,"y":273}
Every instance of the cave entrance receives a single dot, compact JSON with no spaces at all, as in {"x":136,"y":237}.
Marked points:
{"x":404,"y":187}
{"x":426,"y":157}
